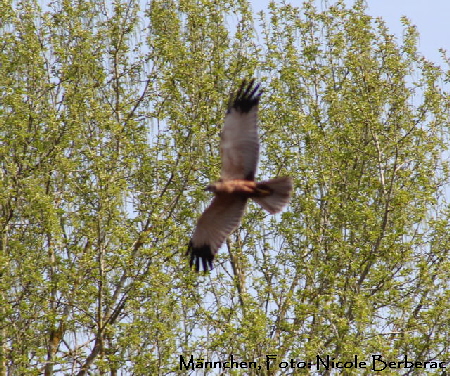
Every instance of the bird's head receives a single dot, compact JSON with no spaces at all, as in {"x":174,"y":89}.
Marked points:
{"x":211,"y":188}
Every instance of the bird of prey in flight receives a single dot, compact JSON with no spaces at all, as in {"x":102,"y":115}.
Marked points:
{"x":239,"y":147}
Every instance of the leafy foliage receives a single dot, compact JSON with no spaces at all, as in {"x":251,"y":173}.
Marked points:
{"x":109,"y":129}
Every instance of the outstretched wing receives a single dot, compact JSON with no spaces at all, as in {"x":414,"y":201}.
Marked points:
{"x":216,"y":223}
{"x":239,"y":143}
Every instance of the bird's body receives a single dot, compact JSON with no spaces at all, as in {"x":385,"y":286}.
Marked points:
{"x":239,"y":148}
{"x":246,"y":188}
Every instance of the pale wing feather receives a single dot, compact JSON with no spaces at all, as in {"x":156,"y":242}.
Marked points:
{"x":218,"y":221}
{"x":239,"y":144}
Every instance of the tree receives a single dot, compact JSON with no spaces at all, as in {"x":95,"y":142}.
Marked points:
{"x":110,"y":119}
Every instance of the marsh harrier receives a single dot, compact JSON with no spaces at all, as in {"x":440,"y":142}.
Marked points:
{"x":239,"y":146}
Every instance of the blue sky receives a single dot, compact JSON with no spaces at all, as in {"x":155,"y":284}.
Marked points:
{"x":432,"y":18}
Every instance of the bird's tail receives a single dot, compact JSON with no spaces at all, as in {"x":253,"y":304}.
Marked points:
{"x":273,"y":194}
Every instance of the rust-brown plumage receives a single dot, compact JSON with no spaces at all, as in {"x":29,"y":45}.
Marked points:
{"x":239,"y":148}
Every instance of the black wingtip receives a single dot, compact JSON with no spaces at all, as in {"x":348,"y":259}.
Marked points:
{"x":202,"y":254}
{"x":247,"y":96}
